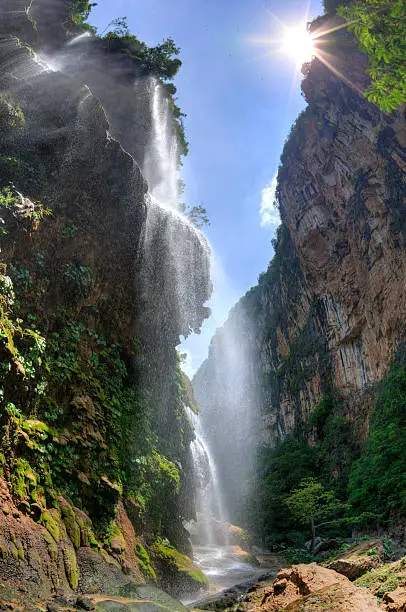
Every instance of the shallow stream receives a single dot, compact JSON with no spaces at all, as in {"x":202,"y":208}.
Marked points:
{"x":222,"y":568}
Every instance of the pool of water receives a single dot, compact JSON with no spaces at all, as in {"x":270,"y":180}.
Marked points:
{"x":222,"y":568}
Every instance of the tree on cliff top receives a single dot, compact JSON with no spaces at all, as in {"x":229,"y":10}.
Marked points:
{"x":380,"y":27}
{"x":311,"y":503}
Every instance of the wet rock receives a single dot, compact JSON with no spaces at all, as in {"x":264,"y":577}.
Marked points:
{"x":85,"y":603}
{"x":99,"y":573}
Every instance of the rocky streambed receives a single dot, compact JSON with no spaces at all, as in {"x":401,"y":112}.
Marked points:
{"x":363,"y":582}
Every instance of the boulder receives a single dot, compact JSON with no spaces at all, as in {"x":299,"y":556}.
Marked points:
{"x":359,"y":559}
{"x":312,"y":588}
{"x":396,"y":600}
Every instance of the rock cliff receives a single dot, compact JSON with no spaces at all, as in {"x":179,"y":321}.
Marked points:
{"x":95,"y":438}
{"x":329,"y":311}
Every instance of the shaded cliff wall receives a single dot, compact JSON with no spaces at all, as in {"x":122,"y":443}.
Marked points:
{"x":95,"y":439}
{"x":330,"y":310}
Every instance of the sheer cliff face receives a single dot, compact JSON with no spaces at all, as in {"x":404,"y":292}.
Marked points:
{"x":330,"y":309}
{"x":86,"y":365}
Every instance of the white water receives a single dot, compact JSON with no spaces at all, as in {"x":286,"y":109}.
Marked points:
{"x":211,"y":527}
{"x":79,"y":39}
{"x":173,"y":244}
{"x":222,"y":567}
{"x":161,"y":159}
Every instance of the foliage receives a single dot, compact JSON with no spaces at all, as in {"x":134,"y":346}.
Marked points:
{"x":197,"y":215}
{"x":331,"y":6}
{"x":80,"y":13}
{"x":310,"y":502}
{"x":11,"y":115}
{"x":378,"y":478}
{"x":384,"y":579}
{"x":380,"y":27}
{"x":297,"y":555}
{"x":69,"y":231}
{"x":77,"y":280}
{"x":335,"y":442}
{"x":281,"y":469}
{"x":159,"y":61}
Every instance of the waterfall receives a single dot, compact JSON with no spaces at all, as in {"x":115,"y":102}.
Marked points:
{"x":211,"y":526}
{"x":176,"y":253}
{"x":162,"y":156}
{"x":225,"y":387}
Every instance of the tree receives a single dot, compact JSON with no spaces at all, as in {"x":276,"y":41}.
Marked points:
{"x":311,"y":503}
{"x":81,"y":10}
{"x":331,"y":6}
{"x":380,"y":27}
{"x":197,"y":215}
{"x":378,"y":478}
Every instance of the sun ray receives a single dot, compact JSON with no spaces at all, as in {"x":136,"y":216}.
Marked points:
{"x":323,"y":57}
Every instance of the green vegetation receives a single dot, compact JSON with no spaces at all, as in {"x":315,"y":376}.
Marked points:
{"x":377,"y":485}
{"x":331,"y":6}
{"x":368,"y":479}
{"x":50,"y":392}
{"x":196,"y":215}
{"x":310,"y":503}
{"x":159,"y":61}
{"x":81,"y":10}
{"x":380,"y":28}
{"x":11,"y":115}
{"x":145,"y":562}
{"x":384,"y":579}
{"x":176,"y":562}
{"x":281,"y":469}
{"x":77,"y":280}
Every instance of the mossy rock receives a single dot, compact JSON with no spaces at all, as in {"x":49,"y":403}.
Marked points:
{"x":87,"y":537}
{"x":384,"y":579}
{"x":145,"y":562}
{"x":176,"y":573}
{"x":69,"y":520}
{"x":70,"y":564}
{"x":358,"y":559}
{"x":50,"y":519}
{"x":115,"y":541}
{"x":151,"y":593}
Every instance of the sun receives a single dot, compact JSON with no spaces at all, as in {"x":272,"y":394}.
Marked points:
{"x":299,"y":44}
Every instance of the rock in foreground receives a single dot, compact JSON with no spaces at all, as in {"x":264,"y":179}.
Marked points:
{"x":311,"y":588}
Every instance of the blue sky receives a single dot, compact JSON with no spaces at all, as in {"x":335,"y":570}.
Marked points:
{"x":241,"y":95}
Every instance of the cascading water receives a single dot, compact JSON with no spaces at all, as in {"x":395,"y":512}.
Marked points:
{"x":181,"y":253}
{"x":172,"y":244}
{"x":162,"y":156}
{"x":211,"y":526}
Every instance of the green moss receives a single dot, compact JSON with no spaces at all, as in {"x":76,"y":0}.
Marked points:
{"x":179,"y":562}
{"x":145,"y":562}
{"x":50,"y":525}
{"x":114,"y":539}
{"x":69,"y":519}
{"x":23,"y":479}
{"x":71,"y":566}
{"x":384,"y":579}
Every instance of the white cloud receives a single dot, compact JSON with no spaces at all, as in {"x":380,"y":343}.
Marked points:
{"x":268,"y":212}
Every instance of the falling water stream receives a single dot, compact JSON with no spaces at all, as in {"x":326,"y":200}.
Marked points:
{"x":212,"y":550}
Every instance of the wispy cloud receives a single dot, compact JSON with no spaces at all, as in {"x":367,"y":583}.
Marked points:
{"x":268,"y":212}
